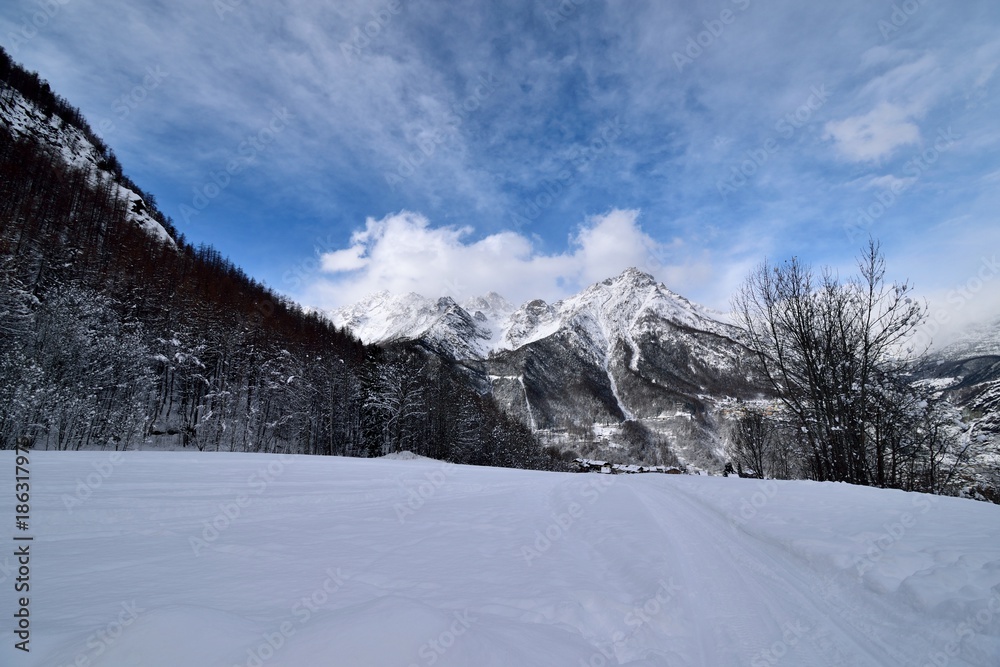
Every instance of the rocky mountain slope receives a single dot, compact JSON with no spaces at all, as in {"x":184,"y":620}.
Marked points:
{"x":623,"y":351}
{"x":968,"y":370}
{"x":25,"y":119}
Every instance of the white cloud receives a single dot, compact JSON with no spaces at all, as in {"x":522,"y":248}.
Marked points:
{"x":348,"y":259}
{"x":889,"y":182}
{"x":405,"y":253}
{"x":874,"y":135}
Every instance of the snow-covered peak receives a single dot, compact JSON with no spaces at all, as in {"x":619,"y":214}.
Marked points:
{"x":441,"y":323}
{"x":631,"y":277}
{"x":491,"y":305}
{"x":532,"y":321}
{"x":616,"y":309}
{"x":383,"y":317}
{"x":977,"y":339}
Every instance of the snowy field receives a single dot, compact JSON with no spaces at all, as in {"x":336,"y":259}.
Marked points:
{"x":155,"y":559}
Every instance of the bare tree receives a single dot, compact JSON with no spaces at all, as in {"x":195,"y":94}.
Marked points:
{"x":826,"y":345}
{"x":751,"y":445}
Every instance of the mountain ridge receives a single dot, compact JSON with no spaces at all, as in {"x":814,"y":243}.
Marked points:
{"x":382,"y":317}
{"x":623,"y":351}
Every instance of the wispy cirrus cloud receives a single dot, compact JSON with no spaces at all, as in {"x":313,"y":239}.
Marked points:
{"x":401,"y":121}
{"x":874,"y":135}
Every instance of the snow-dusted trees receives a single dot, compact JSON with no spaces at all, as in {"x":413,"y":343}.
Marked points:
{"x":928,"y":447}
{"x":419,"y":402}
{"x":394,"y":402}
{"x":92,"y":377}
{"x":20,"y":377}
{"x":834,"y":350}
{"x":111,"y":337}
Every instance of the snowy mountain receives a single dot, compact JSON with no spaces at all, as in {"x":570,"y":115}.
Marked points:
{"x":624,"y":349}
{"x":975,"y":340}
{"x":441,"y":324}
{"x":25,"y":119}
{"x":615,"y":308}
{"x":968,"y":370}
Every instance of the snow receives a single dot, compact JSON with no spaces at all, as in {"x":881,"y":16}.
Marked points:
{"x":493,"y":311}
{"x":404,"y":455}
{"x":148,"y":558}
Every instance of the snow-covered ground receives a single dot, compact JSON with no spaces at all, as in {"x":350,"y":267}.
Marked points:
{"x":179,"y":559}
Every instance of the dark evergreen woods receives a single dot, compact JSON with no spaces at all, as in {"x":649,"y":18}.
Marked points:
{"x":111,"y":337}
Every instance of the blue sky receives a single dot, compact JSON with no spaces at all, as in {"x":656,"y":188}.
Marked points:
{"x":534,"y":147}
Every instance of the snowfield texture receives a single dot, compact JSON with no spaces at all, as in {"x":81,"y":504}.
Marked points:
{"x":183,"y":559}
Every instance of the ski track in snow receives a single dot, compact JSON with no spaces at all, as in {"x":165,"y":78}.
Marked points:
{"x":330,"y":561}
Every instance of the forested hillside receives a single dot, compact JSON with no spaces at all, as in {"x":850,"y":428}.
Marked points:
{"x":117,"y":333}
